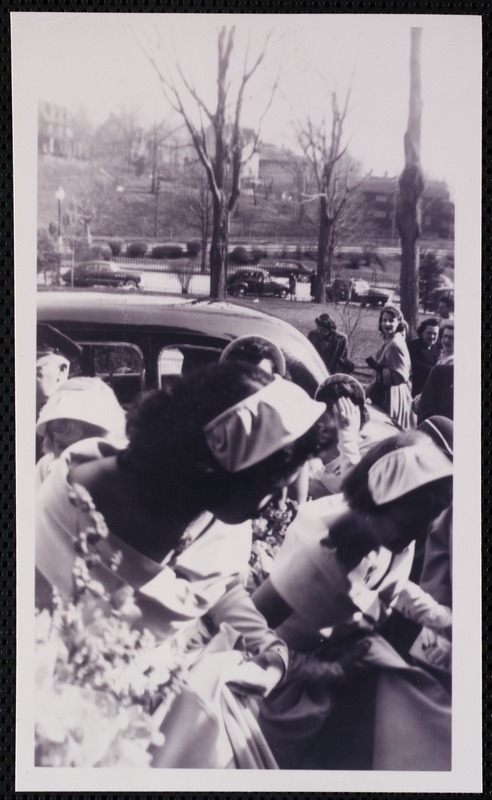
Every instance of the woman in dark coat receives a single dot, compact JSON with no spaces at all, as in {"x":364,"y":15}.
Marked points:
{"x":331,"y":345}
{"x":424,"y":352}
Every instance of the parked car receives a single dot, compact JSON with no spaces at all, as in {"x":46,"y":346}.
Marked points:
{"x":355,"y":291}
{"x":284,"y":269}
{"x":255,"y":281}
{"x":339,"y":290}
{"x":101,"y":273}
{"x":366,"y":295}
{"x":133,"y":341}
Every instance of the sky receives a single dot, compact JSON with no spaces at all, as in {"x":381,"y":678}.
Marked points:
{"x":98,"y":61}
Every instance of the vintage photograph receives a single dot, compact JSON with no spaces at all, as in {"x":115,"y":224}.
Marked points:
{"x":242,"y":243}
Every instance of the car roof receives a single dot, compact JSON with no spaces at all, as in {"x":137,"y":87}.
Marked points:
{"x":219,"y":320}
{"x":294,"y":266}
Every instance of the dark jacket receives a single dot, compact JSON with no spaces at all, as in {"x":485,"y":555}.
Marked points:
{"x":437,"y":394}
{"x":333,"y":350}
{"x":423,"y":358}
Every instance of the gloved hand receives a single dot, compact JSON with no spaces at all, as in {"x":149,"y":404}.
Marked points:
{"x":372,"y":363}
{"x":310,"y":666}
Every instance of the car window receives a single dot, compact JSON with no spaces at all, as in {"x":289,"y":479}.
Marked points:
{"x":120,"y":364}
{"x":182,"y":359}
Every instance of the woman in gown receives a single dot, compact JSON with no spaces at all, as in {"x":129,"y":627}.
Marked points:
{"x":343,"y":568}
{"x":390,"y":389}
{"x":201,"y":461}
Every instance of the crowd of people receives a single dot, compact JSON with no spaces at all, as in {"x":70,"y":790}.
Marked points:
{"x":341,"y":658}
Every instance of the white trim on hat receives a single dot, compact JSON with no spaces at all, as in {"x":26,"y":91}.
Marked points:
{"x":405,"y":469}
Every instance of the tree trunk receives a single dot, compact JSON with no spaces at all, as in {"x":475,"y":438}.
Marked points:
{"x":411,"y":187}
{"x":218,"y":248}
{"x":205,"y":229}
{"x":323,"y":272}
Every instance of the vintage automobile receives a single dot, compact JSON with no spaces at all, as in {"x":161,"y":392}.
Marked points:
{"x":355,"y":291}
{"x":286,"y":268}
{"x":255,"y":281}
{"x":101,"y":273}
{"x":135,"y":341}
{"x":365,"y":294}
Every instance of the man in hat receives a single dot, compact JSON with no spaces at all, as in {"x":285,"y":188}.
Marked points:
{"x":331,"y":345}
{"x":54,"y":351}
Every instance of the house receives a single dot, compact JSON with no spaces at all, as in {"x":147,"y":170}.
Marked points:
{"x":379,"y":195}
{"x":55,"y":130}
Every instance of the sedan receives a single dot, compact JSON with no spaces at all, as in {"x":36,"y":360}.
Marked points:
{"x":256,"y":282}
{"x":136,"y":341}
{"x":366,"y":295}
{"x":101,"y":273}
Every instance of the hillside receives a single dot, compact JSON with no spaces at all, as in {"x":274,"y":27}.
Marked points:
{"x":135,"y":212}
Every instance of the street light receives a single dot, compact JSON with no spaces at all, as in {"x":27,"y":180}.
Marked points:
{"x":60,"y":196}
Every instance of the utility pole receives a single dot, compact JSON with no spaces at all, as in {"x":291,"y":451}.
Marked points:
{"x":411,"y":185}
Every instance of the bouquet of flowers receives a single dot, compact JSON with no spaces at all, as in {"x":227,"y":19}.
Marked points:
{"x":103,"y":687}
{"x":268,"y":535}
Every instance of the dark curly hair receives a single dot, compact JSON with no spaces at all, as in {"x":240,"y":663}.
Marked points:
{"x":168,"y":453}
{"x":253,"y":350}
{"x":427,"y":323}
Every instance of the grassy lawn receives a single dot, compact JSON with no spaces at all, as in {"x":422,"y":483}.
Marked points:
{"x":359,"y":324}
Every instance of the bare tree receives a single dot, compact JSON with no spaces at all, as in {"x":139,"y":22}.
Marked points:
{"x":200,"y":208}
{"x":222,"y":153}
{"x":334,"y":180}
{"x":411,"y":185}
{"x":89,"y":198}
{"x":131,"y":131}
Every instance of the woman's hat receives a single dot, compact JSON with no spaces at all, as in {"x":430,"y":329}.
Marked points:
{"x":262,"y":424}
{"x":407,"y":468}
{"x":87,"y":400}
{"x":441,"y":430}
{"x":234,"y":351}
{"x":326,"y":321}
{"x":342,"y":385}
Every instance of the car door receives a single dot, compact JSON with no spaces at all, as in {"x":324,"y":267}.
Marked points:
{"x":90,"y":274}
{"x":258,"y":283}
{"x":104,"y":275}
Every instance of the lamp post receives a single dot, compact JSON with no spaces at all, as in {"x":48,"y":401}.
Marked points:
{"x":60,"y":196}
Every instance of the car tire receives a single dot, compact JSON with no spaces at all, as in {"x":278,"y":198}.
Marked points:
{"x":240,"y":291}
{"x":130,"y":285}
{"x":283,"y":294}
